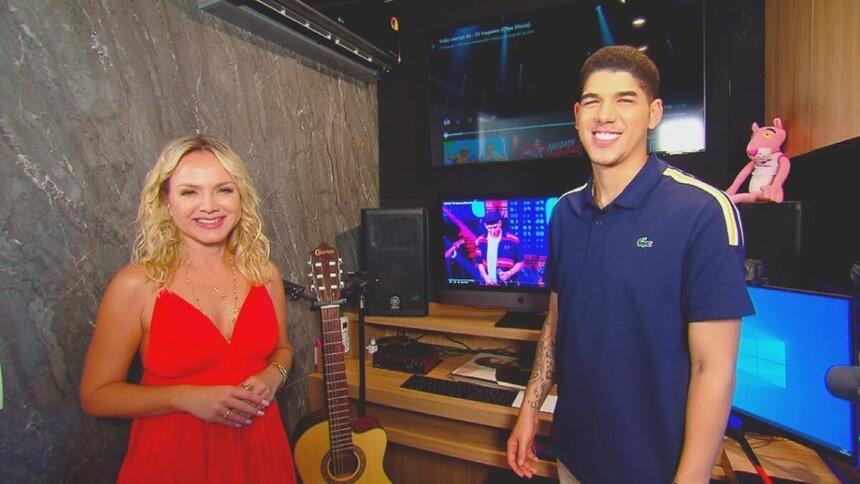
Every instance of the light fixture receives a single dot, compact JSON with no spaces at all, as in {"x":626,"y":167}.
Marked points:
{"x":300,"y":27}
{"x":638,"y":22}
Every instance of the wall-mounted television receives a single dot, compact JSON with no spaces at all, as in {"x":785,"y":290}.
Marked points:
{"x":502,"y":89}
{"x":785,"y":351}
{"x":494,"y":251}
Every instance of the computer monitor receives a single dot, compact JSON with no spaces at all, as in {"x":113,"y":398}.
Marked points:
{"x":494,"y":251}
{"x":501,"y":88}
{"x":786,"y":349}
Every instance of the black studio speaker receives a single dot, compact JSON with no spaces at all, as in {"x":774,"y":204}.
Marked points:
{"x":775,"y":236}
{"x":395,"y":256}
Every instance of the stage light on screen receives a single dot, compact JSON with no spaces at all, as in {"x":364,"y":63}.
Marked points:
{"x":478,"y":208}
{"x":605,"y":31}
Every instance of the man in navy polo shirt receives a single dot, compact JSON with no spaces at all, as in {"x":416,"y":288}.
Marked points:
{"x":645,"y":269}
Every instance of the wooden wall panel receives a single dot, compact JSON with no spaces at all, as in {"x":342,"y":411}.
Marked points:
{"x":787,"y":60}
{"x":836,"y":71}
{"x":812,"y":70}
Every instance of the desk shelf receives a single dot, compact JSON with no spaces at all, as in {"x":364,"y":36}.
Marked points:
{"x":383,"y":387}
{"x":460,"y":320}
{"x":472,"y":442}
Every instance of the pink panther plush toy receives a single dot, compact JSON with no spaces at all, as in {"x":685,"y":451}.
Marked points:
{"x":768,"y":165}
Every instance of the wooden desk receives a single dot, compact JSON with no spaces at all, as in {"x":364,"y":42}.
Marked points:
{"x":462,"y":429}
{"x":454,"y":427}
{"x":781,"y":458}
{"x":424,"y":426}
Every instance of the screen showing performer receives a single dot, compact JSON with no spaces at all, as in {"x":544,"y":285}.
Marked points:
{"x":496,"y":242}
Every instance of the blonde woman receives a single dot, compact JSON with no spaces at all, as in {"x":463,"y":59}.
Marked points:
{"x":205,"y":308}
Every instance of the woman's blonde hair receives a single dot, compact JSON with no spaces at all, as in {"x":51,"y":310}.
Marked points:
{"x":157,"y":243}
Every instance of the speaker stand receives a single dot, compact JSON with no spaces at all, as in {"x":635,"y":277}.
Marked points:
{"x":362,"y":373}
{"x":358,"y":287}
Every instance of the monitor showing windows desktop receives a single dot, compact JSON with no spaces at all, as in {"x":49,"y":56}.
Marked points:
{"x":494,"y":251}
{"x":785,"y":351}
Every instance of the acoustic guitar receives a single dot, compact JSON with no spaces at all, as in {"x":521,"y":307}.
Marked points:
{"x":337,"y":449}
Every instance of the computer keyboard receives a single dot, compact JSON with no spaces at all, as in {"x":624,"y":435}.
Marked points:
{"x":459,"y":389}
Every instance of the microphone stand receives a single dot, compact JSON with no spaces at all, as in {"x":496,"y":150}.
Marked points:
{"x":735,"y":430}
{"x":741,"y":439}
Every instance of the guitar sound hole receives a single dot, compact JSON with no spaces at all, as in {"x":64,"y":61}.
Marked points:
{"x":344,"y":467}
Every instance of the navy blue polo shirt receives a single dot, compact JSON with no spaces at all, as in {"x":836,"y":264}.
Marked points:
{"x":667,"y":252}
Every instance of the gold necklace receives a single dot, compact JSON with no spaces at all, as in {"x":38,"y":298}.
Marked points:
{"x":231,"y":315}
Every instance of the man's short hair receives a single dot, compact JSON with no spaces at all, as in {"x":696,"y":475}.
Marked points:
{"x":624,"y":58}
{"x":492,"y":218}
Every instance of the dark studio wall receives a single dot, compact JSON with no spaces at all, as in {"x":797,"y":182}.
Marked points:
{"x":829,"y":239}
{"x":89,"y":93}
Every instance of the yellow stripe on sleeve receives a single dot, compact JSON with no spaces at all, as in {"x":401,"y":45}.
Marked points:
{"x":725,"y":204}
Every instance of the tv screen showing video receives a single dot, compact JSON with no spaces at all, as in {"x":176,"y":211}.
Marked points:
{"x":499,"y":242}
{"x":503,"y":89}
{"x":785,"y":351}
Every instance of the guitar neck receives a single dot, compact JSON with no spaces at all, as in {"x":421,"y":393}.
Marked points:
{"x":337,"y":396}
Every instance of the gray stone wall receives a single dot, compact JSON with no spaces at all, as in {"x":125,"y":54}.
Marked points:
{"x":89,"y":93}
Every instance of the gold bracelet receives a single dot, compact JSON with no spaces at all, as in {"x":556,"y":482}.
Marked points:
{"x":283,"y":371}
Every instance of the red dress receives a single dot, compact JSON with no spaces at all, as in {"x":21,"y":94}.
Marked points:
{"x":185,"y":348}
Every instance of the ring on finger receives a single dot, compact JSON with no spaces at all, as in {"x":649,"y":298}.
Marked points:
{"x":248,"y":386}
{"x":228,"y":412}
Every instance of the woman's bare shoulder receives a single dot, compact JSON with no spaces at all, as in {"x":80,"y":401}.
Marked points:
{"x":273,"y":277}
{"x":130,"y":292}
{"x":131,"y":281}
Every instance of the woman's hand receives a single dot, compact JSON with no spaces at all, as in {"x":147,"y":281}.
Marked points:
{"x":264,"y":384}
{"x":226,"y":405}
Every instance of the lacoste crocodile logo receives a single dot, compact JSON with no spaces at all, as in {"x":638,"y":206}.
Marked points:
{"x":644,"y":243}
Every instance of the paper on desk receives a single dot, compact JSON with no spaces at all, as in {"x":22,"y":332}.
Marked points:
{"x":548,"y":404}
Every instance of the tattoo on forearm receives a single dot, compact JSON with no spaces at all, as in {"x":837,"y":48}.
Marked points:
{"x":543,"y":373}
